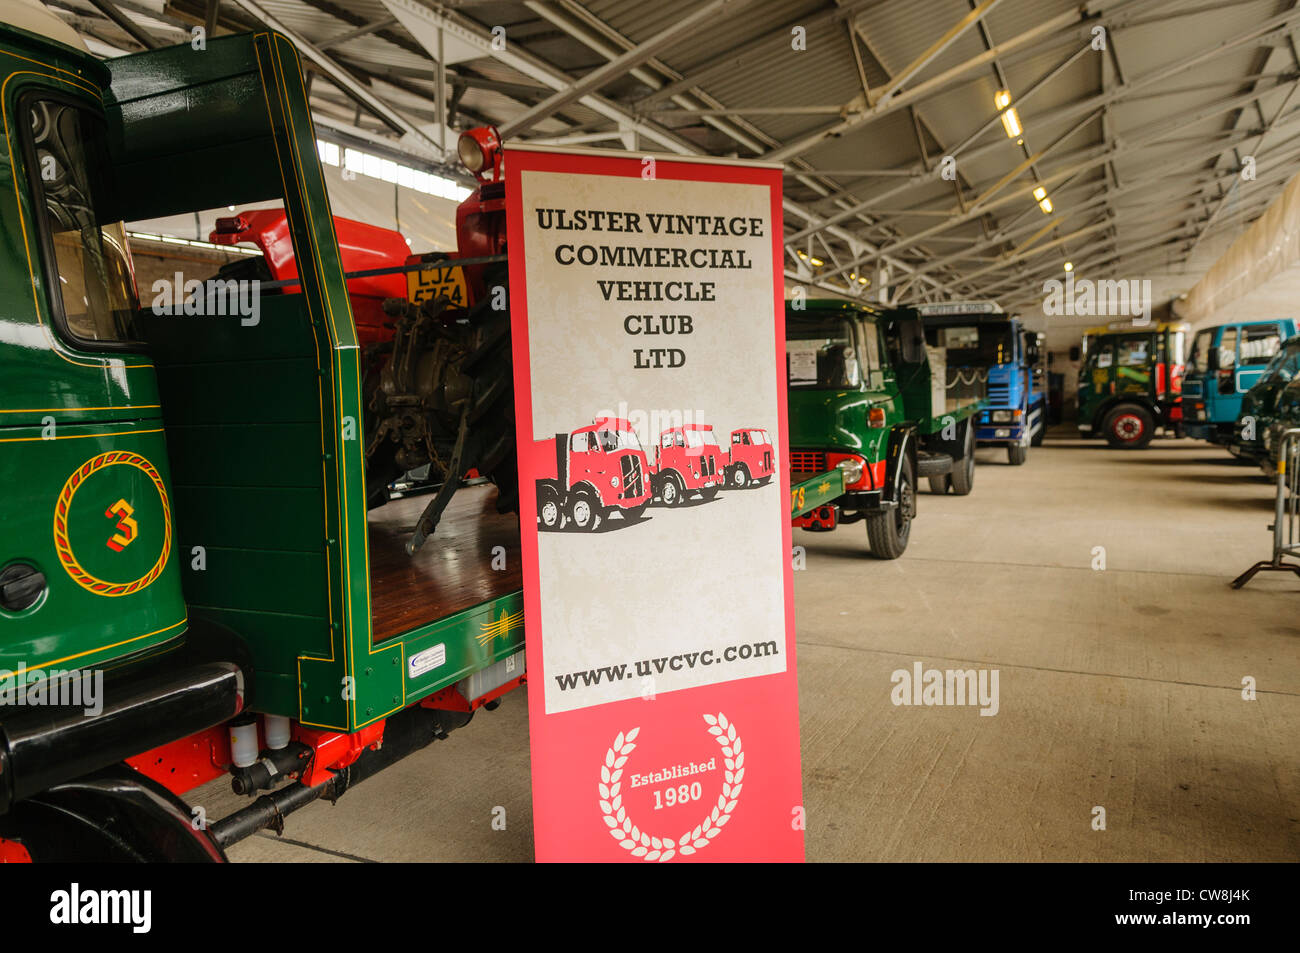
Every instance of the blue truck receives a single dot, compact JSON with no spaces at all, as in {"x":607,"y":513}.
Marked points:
{"x":1226,"y":361}
{"x":979,"y":338}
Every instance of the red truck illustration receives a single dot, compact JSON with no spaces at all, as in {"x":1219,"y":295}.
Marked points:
{"x":688,"y":461}
{"x":597,"y":470}
{"x":752,"y":461}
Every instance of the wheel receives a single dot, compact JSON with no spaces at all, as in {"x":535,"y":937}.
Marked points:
{"x":889,"y":530}
{"x":114,"y":815}
{"x":549,"y":507}
{"x":962,"y":478}
{"x":739,"y":476}
{"x":939,"y":484}
{"x":1129,"y":427}
{"x":583,"y":512}
{"x":1037,"y":439}
{"x":671,"y":491}
{"x":1017,"y":453}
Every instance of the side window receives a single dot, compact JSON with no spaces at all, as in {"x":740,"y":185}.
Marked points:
{"x":735,"y":438}
{"x":1259,"y":344}
{"x":1105,"y":354}
{"x":579,"y":443}
{"x":1228,"y":349}
{"x":666,"y":440}
{"x":88,"y":264}
{"x":871,"y":336}
{"x":1199,"y":360}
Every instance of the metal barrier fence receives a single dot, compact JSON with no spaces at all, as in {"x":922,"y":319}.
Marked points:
{"x":1286,"y":514}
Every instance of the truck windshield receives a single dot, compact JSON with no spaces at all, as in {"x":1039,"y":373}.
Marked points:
{"x":974,"y":345}
{"x":821,"y":353}
{"x":1283,"y":366}
{"x":611,"y":440}
{"x":92,"y":287}
{"x":759,"y":437}
{"x":698,"y":438}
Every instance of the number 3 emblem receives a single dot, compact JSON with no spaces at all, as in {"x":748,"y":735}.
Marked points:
{"x":126,"y":526}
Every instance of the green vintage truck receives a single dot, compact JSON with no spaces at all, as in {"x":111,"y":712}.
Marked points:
{"x":186,"y":504}
{"x":871,"y":411}
{"x":1131,"y":382}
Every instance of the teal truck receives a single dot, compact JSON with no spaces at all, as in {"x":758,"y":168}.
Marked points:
{"x":870,"y":413}
{"x":1225,"y":362}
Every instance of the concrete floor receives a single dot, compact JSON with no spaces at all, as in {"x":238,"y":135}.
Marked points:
{"x":1119,"y":688}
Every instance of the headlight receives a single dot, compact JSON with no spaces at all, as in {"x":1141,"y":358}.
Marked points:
{"x":613,"y":481}
{"x":852,"y":471}
{"x":1002,"y":416}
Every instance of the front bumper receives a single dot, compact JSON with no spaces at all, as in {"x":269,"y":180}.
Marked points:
{"x":1001,"y":433}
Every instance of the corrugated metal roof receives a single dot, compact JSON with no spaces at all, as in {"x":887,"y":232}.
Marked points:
{"x":1157,"y":160}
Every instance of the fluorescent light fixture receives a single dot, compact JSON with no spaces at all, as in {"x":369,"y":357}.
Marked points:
{"x":817,"y":262}
{"x":1069,"y":266}
{"x":1040,"y":193}
{"x":1046,"y":206}
{"x":1010,"y":118}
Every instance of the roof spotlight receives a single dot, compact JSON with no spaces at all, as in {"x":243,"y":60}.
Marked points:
{"x":479,"y":150}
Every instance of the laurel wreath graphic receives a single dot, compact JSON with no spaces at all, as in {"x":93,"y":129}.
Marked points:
{"x":661,"y":849}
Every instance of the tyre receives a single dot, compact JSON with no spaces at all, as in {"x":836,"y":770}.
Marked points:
{"x":939,"y":484}
{"x":1129,"y":427}
{"x":739,"y":477}
{"x":889,"y":530}
{"x":1037,"y":439}
{"x":962,"y":478}
{"x":670,"y":491}
{"x":550,"y":509}
{"x":583,"y":511}
{"x":1017,"y":454}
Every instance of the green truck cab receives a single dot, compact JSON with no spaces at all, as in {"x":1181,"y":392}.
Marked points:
{"x":187,"y":518}
{"x":870,"y":414}
{"x":1130,"y":382}
{"x":1252,"y":437}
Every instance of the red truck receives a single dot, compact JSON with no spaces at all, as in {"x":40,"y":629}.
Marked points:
{"x":752,"y":461}
{"x":688,"y":460}
{"x":598,"y":470}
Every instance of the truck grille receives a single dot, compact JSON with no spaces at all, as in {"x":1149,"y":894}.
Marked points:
{"x":708,"y":465}
{"x":999,"y":394}
{"x":808,"y":461}
{"x":631,"y":478}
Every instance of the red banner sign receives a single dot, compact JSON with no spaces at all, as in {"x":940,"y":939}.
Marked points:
{"x":649,"y":359}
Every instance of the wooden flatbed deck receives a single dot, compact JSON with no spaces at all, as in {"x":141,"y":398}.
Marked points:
{"x":451,"y":572}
